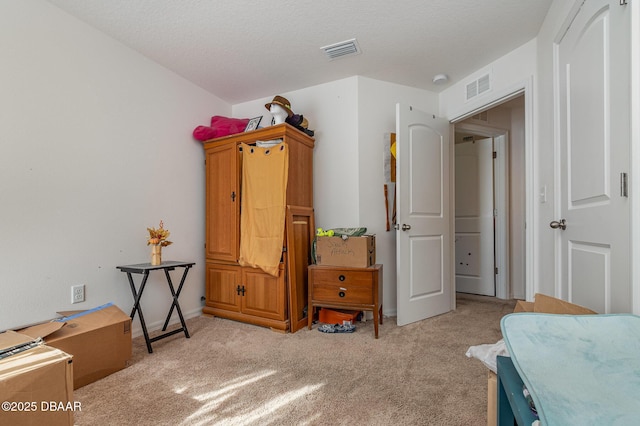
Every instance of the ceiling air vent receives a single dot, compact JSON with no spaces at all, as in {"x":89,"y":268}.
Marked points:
{"x":342,"y":49}
{"x":479,"y":86}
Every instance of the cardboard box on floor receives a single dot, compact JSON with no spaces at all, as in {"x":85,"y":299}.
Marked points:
{"x":550,"y":305}
{"x":36,"y":384}
{"x":99,"y":340}
{"x":542,"y":304}
{"x":356,"y":252}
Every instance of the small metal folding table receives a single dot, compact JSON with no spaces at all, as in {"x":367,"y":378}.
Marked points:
{"x":145,"y":268}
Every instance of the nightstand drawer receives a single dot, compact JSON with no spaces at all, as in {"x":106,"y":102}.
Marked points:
{"x":344,"y":277}
{"x":343,"y":293}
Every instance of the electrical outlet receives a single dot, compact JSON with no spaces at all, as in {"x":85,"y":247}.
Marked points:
{"x":77,"y":293}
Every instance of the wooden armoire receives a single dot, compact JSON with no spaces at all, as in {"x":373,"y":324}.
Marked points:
{"x":244,"y":293}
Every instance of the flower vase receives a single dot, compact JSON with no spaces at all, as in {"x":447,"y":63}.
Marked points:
{"x":156,"y":254}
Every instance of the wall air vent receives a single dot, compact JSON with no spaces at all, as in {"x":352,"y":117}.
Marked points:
{"x":483,"y":116}
{"x":484,"y":84}
{"x":479,"y":86}
{"x":342,"y":49}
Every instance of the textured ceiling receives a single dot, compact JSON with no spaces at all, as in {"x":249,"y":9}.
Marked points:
{"x":242,"y":50}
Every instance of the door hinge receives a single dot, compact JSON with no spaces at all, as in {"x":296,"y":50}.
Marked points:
{"x":624,"y":185}
{"x":496,"y":271}
{"x":495,"y":154}
{"x":623,"y":2}
{"x":233,"y":196}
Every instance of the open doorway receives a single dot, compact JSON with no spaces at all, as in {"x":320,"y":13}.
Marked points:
{"x":490,"y":201}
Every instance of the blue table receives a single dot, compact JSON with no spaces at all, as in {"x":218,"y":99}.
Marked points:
{"x":511,"y":402}
{"x":145,"y":269}
{"x":578,"y":369}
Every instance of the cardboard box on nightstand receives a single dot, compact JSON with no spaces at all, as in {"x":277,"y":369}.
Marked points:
{"x":356,"y":252}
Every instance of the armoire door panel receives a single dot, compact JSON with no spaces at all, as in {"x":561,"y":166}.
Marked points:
{"x":223,"y":203}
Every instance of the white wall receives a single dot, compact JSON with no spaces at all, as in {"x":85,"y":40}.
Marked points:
{"x":350,"y":118}
{"x":96,"y":146}
{"x":508,"y":74}
{"x":508,"y":71}
{"x":545,"y":143}
{"x":511,"y":73}
{"x":554,"y":23}
{"x":331,"y":110}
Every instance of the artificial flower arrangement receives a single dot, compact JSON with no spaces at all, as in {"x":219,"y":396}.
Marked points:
{"x":159,"y":236}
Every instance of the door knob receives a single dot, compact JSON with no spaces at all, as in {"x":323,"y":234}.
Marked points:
{"x":562,"y":224}
{"x":405,"y":227}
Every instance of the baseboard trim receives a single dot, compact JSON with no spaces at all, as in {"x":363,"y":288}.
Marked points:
{"x":136,"y":329}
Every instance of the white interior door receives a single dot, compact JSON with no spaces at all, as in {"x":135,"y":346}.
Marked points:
{"x":424,"y":236}
{"x":593,"y":75}
{"x":474,"y":213}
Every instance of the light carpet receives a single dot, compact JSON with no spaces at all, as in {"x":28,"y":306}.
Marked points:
{"x":231,"y":373}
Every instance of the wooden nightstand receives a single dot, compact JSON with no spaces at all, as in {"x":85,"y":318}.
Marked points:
{"x":342,"y":287}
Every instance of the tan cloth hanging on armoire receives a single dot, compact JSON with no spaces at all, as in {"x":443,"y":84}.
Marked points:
{"x":264,"y":190}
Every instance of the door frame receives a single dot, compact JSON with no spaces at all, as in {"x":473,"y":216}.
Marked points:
{"x":524,"y":87}
{"x":501,"y":201}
